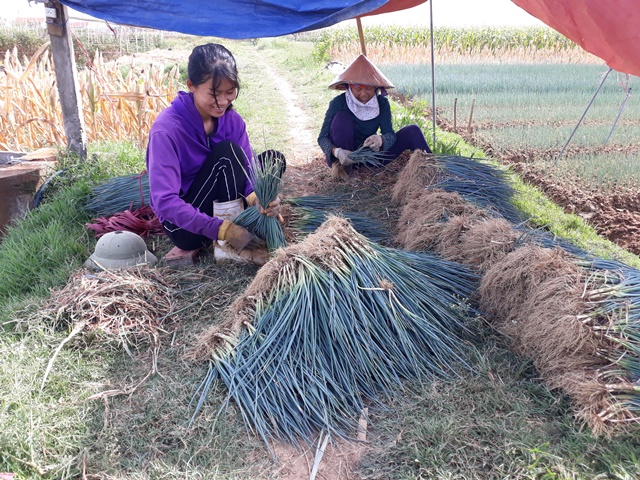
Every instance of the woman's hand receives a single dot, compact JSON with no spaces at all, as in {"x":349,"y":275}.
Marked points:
{"x":343,"y":156}
{"x":272,"y":210}
{"x":374,"y":142}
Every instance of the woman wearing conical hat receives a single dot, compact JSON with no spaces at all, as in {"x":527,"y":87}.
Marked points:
{"x":362,"y":117}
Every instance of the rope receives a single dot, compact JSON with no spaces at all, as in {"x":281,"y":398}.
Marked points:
{"x":143,"y":173}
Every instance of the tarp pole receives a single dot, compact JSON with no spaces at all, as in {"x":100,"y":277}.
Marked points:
{"x":361,"y":35}
{"x":628,"y":94}
{"x":433,"y":77}
{"x":583,"y":115}
{"x":66,"y":77}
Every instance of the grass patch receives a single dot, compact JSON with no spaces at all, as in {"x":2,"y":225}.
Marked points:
{"x":543,"y":213}
{"x":499,"y":422}
{"x":39,"y":252}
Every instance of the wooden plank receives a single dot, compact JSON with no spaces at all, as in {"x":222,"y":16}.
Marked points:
{"x":66,"y":78}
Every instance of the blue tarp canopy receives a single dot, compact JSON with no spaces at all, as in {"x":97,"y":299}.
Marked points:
{"x":231,"y":18}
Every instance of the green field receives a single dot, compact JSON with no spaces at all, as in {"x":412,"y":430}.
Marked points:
{"x":536,"y":107}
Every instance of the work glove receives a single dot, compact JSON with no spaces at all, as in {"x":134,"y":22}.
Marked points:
{"x":374,"y":142}
{"x":238,"y":237}
{"x":343,"y":157}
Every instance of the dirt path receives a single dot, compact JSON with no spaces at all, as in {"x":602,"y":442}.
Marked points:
{"x":302,"y":138}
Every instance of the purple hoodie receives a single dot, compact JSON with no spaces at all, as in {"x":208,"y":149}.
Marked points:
{"x":178,"y":146}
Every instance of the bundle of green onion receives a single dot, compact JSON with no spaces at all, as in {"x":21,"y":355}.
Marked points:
{"x":614,"y":298}
{"x":335,"y":324}
{"x":479,"y":183}
{"x":367,"y":157}
{"x":119,"y":194}
{"x":335,"y":201}
{"x":265,"y":178}
{"x":307,"y":219}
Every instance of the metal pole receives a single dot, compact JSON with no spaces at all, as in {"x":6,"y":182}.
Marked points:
{"x":628,"y":94}
{"x":433,"y":78}
{"x":583,"y":115}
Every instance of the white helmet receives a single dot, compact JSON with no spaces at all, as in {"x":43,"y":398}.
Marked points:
{"x":120,"y":249}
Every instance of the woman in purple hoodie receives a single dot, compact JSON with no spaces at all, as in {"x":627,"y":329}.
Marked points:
{"x":198,"y":158}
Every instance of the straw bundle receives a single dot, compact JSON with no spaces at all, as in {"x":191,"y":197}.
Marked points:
{"x":332,"y":324}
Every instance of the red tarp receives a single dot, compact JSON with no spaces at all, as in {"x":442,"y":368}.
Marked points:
{"x":609,"y":29}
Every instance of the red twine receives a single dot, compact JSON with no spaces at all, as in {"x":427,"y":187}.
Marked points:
{"x":141,"y":221}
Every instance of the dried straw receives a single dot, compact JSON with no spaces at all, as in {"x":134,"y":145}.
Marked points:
{"x":128,"y":304}
{"x":419,"y":172}
{"x":486,"y":242}
{"x":425,"y":214}
{"x":534,"y":297}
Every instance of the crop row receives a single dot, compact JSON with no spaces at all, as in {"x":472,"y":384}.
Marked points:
{"x":461,"y":40}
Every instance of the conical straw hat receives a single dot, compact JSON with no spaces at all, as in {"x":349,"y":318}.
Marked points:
{"x":361,"y":71}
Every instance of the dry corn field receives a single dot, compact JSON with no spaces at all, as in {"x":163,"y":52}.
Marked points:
{"x":116,"y":105}
{"x":385,"y":53}
{"x":489,"y":45}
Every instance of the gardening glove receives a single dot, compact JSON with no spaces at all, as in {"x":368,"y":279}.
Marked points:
{"x":343,"y":157}
{"x":374,"y":142}
{"x":238,"y":237}
{"x":272,"y":210}
{"x":251,"y":199}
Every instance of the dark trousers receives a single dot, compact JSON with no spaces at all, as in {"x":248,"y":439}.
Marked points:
{"x":221,"y":178}
{"x":342,"y":134}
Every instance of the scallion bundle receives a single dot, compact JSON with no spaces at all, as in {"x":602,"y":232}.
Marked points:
{"x":306,"y":220}
{"x":367,"y":157}
{"x":613,"y":294}
{"x":265,"y":179}
{"x":118,"y":194}
{"x":478,"y":183}
{"x":320,"y":202}
{"x":332,"y":325}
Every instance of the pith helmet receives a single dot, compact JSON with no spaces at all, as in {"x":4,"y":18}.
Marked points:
{"x":120,"y":250}
{"x":361,"y":71}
